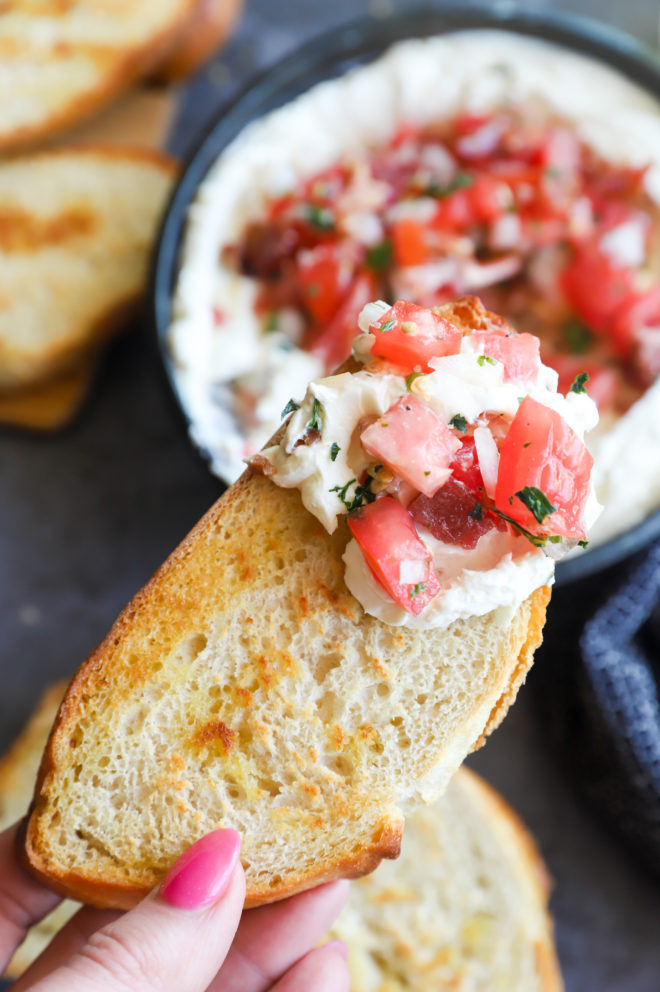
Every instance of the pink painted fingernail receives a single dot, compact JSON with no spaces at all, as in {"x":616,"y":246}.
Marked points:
{"x":202,"y":874}
{"x":340,"y":947}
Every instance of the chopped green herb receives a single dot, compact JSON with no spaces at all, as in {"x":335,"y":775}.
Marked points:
{"x":334,"y":451}
{"x":536,"y":502}
{"x":583,"y":544}
{"x":411,"y":378}
{"x":555,"y":539}
{"x":534,"y":539}
{"x":320,"y":217}
{"x":527,"y":444}
{"x":460,"y":181}
{"x":477,"y":512}
{"x":415,"y":590}
{"x":379,"y":256}
{"x":361,"y":495}
{"x":577,"y":335}
{"x":272,"y":321}
{"x":315,"y":422}
{"x":427,"y":472}
{"x":289,"y":408}
{"x":482,"y":359}
{"x":579,"y":381}
{"x":388,"y":325}
{"x":459,"y":422}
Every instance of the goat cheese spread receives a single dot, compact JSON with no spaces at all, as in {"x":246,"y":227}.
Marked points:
{"x":459,"y":468}
{"x":237,"y":362}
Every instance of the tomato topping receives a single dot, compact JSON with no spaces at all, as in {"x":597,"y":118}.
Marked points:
{"x":409,"y":242}
{"x":393,"y":551}
{"x":332,"y":342}
{"x":518,"y":353}
{"x":409,"y":336}
{"x":595,"y":286}
{"x":541,"y":451}
{"x":325,"y":274}
{"x":635,"y":312}
{"x":412,"y":440}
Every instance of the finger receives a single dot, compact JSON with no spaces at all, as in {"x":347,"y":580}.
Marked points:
{"x":271,"y":939}
{"x":176,"y":938}
{"x":322,"y":970}
{"x":23,"y":900}
{"x":65,"y":943}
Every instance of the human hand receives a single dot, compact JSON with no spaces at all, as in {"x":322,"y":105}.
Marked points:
{"x":188,"y":935}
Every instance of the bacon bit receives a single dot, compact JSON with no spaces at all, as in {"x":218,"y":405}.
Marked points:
{"x":260,"y":464}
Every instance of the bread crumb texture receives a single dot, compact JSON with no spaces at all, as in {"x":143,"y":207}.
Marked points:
{"x":245,"y":687}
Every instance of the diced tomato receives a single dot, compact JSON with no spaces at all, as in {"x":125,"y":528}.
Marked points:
{"x":489,"y":197}
{"x":635,"y":312}
{"x":518,"y":353}
{"x":595,"y":287}
{"x":409,"y":242}
{"x":455,"y":211}
{"x":387,"y":537}
{"x":325,"y":274}
{"x":469,"y":123}
{"x":465,"y":467}
{"x":625,"y":182}
{"x":454,"y":514}
{"x":409,"y":336}
{"x":542,"y":451}
{"x":413,"y":441}
{"x":332,"y":342}
{"x":603,"y":384}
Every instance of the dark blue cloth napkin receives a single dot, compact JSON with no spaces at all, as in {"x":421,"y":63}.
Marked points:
{"x":599,"y":671}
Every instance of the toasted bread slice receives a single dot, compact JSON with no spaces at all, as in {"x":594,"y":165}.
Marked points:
{"x":465,"y":903}
{"x":140,"y":119}
{"x":211,"y":23}
{"x":52,"y":404}
{"x":245,"y":686}
{"x":464,"y":907}
{"x":60,"y":62}
{"x":76,"y":228}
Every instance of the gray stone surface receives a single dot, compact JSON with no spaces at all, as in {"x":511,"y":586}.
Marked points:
{"x":88,"y":515}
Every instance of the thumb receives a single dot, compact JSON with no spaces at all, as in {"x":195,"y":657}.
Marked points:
{"x":176,"y":938}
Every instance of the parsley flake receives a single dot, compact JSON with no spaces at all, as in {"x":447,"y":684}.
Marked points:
{"x":538,"y":542}
{"x":388,"y":325}
{"x":482,"y":359}
{"x":579,"y":382}
{"x":315,"y":422}
{"x":272,"y":322}
{"x":583,"y":544}
{"x":379,"y":256}
{"x":334,"y":451}
{"x":415,"y":590}
{"x":477,"y":512}
{"x":460,"y":181}
{"x":577,"y":335}
{"x":411,"y":378}
{"x":361,"y":495}
{"x":536,"y":502}
{"x":459,"y":422}
{"x":289,"y":408}
{"x":320,"y":217}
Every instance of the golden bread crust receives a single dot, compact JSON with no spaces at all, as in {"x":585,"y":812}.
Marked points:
{"x":209,"y":26}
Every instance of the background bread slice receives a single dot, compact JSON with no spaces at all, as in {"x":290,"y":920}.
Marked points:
{"x":206,"y":29}
{"x":18,"y":771}
{"x":244,"y":686}
{"x":51,"y":404}
{"x":463,"y":908}
{"x":76,"y":228}
{"x":60,"y":61}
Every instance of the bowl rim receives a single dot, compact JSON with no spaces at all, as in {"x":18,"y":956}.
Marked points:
{"x":326,"y":55}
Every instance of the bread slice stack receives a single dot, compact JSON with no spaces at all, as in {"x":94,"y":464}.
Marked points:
{"x":73,"y":261}
{"x":464,"y":907}
{"x":244,"y":686}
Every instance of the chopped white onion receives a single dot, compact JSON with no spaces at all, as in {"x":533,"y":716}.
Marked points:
{"x":506,"y":232}
{"x":625,"y":244}
{"x":371,"y":314}
{"x":481,"y":142}
{"x":489,"y":458}
{"x":414,"y":571}
{"x":479,"y":274}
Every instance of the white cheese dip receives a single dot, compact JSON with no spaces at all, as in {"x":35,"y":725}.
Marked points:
{"x":416,"y":82}
{"x":503,"y":569}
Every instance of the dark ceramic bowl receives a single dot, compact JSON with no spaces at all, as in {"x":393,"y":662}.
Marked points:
{"x":331,"y":56}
